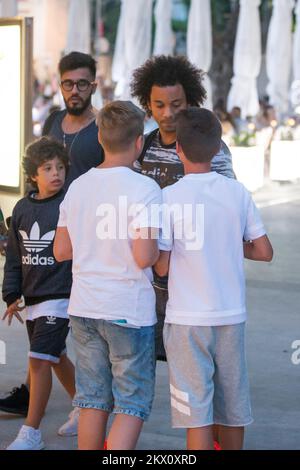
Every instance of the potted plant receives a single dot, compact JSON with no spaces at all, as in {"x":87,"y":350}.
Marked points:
{"x":248,"y":158}
{"x":285,"y":153}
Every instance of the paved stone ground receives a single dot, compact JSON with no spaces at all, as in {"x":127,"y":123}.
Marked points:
{"x":273,"y":299}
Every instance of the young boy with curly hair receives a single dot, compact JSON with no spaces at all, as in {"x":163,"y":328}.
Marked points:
{"x":31,"y":271}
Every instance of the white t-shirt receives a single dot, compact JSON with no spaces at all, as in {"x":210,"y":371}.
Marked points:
{"x":97,"y":211}
{"x":206,"y":276}
{"x":50,"y":308}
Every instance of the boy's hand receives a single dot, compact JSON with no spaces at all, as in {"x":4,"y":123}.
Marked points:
{"x":13,"y":310}
{"x":3,"y":245}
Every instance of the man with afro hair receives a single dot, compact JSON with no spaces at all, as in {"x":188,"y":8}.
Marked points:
{"x":165,"y":85}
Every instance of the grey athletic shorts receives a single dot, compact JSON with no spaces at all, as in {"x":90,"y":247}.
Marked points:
{"x":208,"y":375}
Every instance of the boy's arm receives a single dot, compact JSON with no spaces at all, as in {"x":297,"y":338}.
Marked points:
{"x":62,"y":248}
{"x":161,"y":266}
{"x":259,"y":249}
{"x":12,"y":281}
{"x":146,"y":225}
{"x":145,"y":248}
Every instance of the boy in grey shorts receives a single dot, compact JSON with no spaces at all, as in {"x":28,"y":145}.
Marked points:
{"x":210,"y":223}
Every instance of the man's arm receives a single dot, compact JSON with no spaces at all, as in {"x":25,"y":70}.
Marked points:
{"x":259,"y":249}
{"x":145,"y":247}
{"x":222,"y":162}
{"x":62,"y":248}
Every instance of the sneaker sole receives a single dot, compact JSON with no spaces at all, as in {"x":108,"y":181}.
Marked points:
{"x":40,"y":447}
{"x":62,"y":434}
{"x":14,"y":411}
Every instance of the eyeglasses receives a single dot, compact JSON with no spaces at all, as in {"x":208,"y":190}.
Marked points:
{"x":82,"y":85}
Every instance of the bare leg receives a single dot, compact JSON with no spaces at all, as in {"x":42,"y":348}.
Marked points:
{"x":216,"y":432}
{"x":40,"y":388}
{"x":65,"y":373}
{"x":27,"y":382}
{"x":124,"y":432}
{"x":231,"y":438}
{"x":200,"y":438}
{"x":92,"y":429}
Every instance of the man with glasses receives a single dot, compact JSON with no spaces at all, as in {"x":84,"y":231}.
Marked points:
{"x":76,"y":128}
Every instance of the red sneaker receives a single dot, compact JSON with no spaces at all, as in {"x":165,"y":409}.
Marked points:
{"x":217,"y":446}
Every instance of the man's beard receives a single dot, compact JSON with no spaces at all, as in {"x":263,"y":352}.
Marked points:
{"x":75,"y":111}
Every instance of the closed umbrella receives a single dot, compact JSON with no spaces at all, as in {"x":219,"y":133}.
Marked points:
{"x":8,"y":8}
{"x":79,"y":28}
{"x":279,"y":54}
{"x":135,"y":26}
{"x":119,"y":60}
{"x":247,"y":60}
{"x":295,"y":90}
{"x":164,"y":37}
{"x":199,"y":40}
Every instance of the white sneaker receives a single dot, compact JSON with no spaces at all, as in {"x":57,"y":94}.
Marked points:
{"x":27,"y":439}
{"x":70,"y":428}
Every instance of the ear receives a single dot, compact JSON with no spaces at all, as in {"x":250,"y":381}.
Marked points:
{"x":149,"y":110}
{"x":178,"y":148}
{"x":99,"y":137}
{"x":180,"y":152}
{"x":94,"y":87}
{"x":140,"y":143}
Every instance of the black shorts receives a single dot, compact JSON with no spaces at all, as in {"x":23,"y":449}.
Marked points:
{"x":47,"y":337}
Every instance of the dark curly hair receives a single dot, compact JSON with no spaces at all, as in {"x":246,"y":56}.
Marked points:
{"x":168,"y":71}
{"x":39,"y":152}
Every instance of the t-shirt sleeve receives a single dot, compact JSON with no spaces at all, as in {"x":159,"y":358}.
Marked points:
{"x":63,"y":213}
{"x":166,"y":236}
{"x":222,"y":162}
{"x":147,"y":210}
{"x":254,"y":225}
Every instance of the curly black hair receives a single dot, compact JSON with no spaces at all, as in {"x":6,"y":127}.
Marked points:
{"x":168,"y":71}
{"x":40,"y":151}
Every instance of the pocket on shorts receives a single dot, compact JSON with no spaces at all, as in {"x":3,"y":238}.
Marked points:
{"x":79,"y":330}
{"x":129,"y":342}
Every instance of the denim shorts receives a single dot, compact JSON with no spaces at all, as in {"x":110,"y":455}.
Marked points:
{"x":114,"y":368}
{"x":208,"y":375}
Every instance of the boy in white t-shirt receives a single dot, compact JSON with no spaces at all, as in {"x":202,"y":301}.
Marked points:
{"x":106,"y":227}
{"x":206,"y":217}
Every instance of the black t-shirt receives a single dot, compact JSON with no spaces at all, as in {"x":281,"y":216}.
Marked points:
{"x":83,"y":147}
{"x":162,"y":163}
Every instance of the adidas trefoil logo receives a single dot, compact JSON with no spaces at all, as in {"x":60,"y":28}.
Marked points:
{"x":51,"y":320}
{"x":36,"y":244}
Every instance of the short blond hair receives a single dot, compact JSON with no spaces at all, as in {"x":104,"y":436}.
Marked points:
{"x":120,"y":123}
